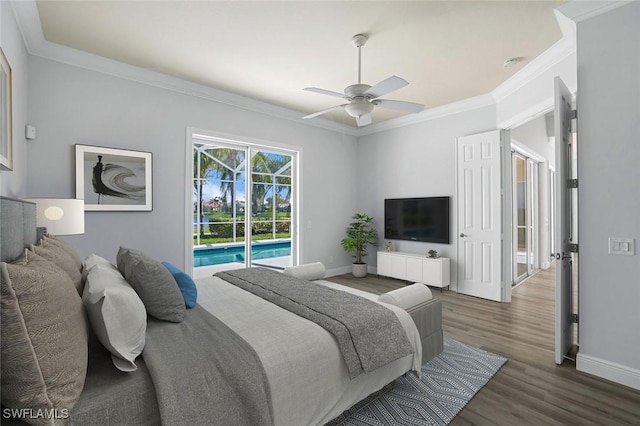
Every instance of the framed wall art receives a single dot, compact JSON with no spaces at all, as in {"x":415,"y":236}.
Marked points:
{"x":110,"y":179}
{"x":6,"y":136}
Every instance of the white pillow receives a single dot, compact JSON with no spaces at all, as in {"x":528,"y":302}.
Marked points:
{"x":93,"y":260}
{"x":407,"y":297}
{"x":116,"y":314}
{"x":308,"y":271}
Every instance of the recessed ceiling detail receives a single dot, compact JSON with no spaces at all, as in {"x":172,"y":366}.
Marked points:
{"x":448,"y":51}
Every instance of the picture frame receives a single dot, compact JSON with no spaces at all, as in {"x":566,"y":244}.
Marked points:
{"x":112,"y":179}
{"x":6,"y":114}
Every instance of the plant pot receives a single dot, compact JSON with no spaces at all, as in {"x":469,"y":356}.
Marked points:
{"x":359,"y":270}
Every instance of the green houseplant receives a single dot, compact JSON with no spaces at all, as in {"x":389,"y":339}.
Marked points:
{"x":359,"y":235}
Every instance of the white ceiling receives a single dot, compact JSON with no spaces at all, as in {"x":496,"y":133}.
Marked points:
{"x":266,"y":50}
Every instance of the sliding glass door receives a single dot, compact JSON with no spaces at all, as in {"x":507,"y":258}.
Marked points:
{"x":241,"y":190}
{"x":525,"y":217}
{"x":271,"y":196}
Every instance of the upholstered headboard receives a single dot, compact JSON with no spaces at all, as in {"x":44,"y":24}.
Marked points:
{"x":17,"y":227}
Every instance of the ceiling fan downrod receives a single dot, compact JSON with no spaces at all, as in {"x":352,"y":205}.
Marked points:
{"x":358,"y":41}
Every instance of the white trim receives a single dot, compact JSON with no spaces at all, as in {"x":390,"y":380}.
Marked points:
{"x":211,"y":135}
{"x":340,"y":271}
{"x":29,"y":22}
{"x":231,"y":140}
{"x":579,"y":11}
{"x":557,"y":53}
{"x":430,"y":114}
{"x":28,"y":18}
{"x":188,"y":194}
{"x":617,"y":373}
{"x":521,"y":149}
{"x":531,"y":113}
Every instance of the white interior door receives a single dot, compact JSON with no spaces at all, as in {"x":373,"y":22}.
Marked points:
{"x":563,"y":222}
{"x":480,"y":215}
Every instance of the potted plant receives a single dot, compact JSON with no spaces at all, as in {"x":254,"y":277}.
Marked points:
{"x":359,"y":234}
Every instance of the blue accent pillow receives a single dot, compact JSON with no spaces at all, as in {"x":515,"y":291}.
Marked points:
{"x":185,"y":283}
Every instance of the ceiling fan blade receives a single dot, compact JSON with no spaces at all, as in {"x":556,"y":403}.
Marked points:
{"x":401,"y":105}
{"x":363,"y":120}
{"x":315,"y":114}
{"x":386,"y":86}
{"x":325,"y":92}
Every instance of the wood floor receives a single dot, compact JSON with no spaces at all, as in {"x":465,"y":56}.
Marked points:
{"x":530,"y":389}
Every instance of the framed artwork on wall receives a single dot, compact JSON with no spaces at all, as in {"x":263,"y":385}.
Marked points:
{"x":110,"y":179}
{"x":6,"y":136}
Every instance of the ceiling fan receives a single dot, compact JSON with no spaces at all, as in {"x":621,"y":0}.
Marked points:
{"x":364,"y":98}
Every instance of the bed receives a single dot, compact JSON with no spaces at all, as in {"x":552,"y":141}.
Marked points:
{"x":294,"y":371}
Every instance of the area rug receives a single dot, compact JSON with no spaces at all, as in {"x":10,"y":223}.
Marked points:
{"x":448,"y":383}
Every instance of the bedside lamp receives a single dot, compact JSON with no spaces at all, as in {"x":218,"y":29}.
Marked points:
{"x":61,"y":216}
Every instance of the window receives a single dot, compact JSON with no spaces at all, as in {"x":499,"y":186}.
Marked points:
{"x":237,"y":187}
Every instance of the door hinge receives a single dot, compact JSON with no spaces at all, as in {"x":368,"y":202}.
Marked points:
{"x":572,"y":248}
{"x":574,"y":318}
{"x":572,"y":183}
{"x":574,"y":114}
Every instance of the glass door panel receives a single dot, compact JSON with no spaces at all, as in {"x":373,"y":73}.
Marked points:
{"x":521,"y":219}
{"x":271,"y":200}
{"x":219,"y":204}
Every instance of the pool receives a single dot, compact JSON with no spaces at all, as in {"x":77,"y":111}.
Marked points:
{"x":230,"y":254}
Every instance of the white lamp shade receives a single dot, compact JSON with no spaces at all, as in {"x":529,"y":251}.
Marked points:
{"x":61,"y":216}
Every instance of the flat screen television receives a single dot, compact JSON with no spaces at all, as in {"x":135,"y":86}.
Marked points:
{"x":417,"y":219}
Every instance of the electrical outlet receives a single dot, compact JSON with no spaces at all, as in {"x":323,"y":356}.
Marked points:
{"x":330,"y":259}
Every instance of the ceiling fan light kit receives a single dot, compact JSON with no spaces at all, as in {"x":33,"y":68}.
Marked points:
{"x":363,"y":98}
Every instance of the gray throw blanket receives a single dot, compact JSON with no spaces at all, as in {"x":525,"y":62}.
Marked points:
{"x":204,"y":373}
{"x":368,"y":334}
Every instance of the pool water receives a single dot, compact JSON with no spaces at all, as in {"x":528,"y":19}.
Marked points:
{"x":230,"y":254}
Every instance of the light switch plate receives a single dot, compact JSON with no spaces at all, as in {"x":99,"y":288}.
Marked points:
{"x":625,"y":246}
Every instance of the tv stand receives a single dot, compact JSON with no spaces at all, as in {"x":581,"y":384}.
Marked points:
{"x":414,"y":267}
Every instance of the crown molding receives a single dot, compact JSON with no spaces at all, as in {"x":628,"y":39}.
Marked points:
{"x":28,"y":18}
{"x":581,"y":10}
{"x":560,"y":50}
{"x":74,"y":57}
{"x":430,"y":114}
{"x":30,"y":26}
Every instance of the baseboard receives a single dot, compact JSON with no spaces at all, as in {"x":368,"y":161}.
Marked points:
{"x":347,"y":270}
{"x":609,"y":370}
{"x":338,"y":271}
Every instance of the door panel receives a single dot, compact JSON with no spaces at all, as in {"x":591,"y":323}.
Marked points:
{"x":479,"y":215}
{"x":563,"y":322}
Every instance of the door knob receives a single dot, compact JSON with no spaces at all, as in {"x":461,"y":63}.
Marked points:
{"x":464,"y":235}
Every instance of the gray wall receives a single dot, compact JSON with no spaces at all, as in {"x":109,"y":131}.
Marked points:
{"x":70,"y":105}
{"x":418,"y":160}
{"x":534,"y":136}
{"x":12,"y":183}
{"x":609,"y":196}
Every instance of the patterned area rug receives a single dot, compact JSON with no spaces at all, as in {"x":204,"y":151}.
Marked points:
{"x":448,"y":383}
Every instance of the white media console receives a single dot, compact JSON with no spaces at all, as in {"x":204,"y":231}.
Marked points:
{"x":414,"y":267}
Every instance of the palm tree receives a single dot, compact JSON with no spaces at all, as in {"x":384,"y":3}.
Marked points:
{"x":226,"y":163}
{"x":202,"y":165}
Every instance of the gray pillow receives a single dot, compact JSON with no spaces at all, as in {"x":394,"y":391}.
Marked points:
{"x":68,"y":247}
{"x":60,"y":257}
{"x":43,"y":337}
{"x":116,"y":314}
{"x":153,"y":283}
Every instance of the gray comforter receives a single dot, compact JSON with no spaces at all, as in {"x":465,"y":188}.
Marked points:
{"x":204,"y":373}
{"x":368,"y":334}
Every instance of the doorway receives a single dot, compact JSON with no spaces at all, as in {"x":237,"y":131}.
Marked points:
{"x":243,"y":206}
{"x":525,"y":221}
